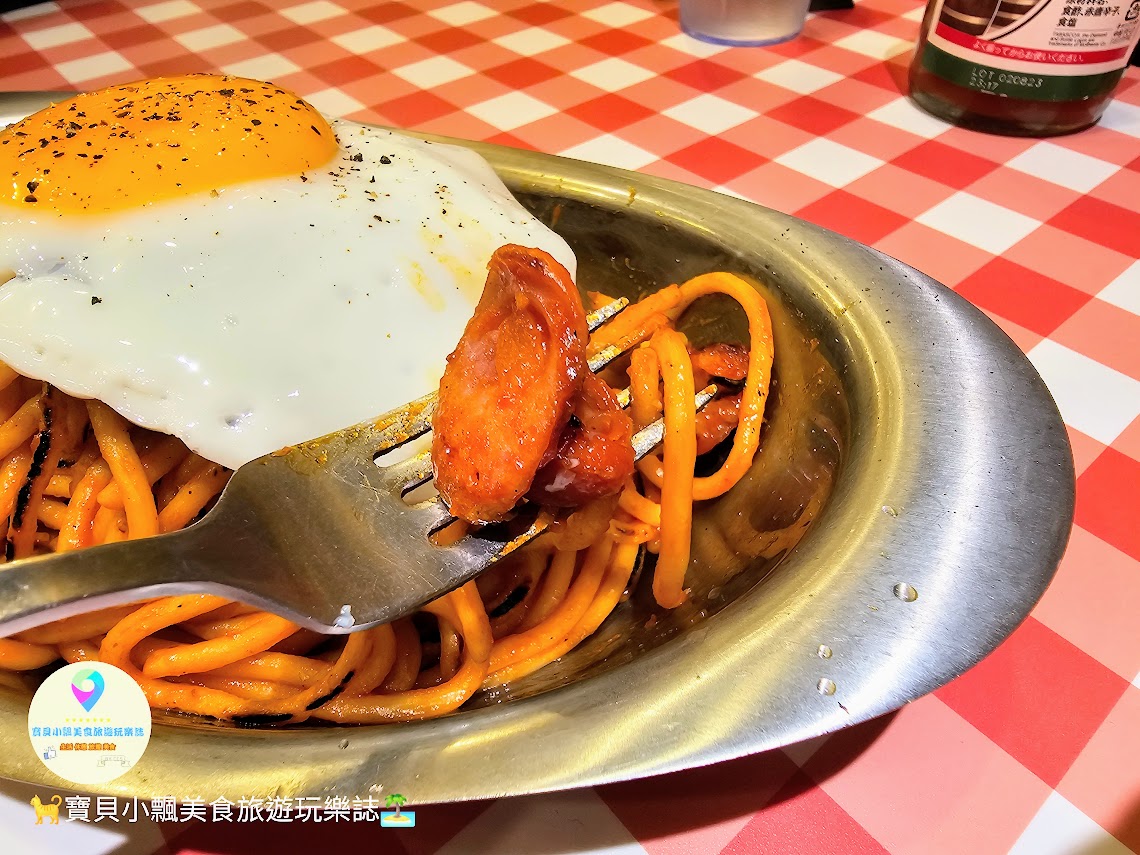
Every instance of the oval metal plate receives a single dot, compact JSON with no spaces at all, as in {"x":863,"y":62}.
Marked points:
{"x":957,"y":483}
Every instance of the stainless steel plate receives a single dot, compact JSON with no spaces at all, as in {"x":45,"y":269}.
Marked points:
{"x":925,"y":448}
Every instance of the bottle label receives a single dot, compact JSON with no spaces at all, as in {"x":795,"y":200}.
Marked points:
{"x":1040,"y":50}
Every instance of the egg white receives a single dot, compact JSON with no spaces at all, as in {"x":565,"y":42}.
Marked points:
{"x":264,"y":314}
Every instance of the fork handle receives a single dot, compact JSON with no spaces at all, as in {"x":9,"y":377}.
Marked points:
{"x":46,"y":588}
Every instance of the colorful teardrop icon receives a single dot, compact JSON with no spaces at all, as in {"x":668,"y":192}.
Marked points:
{"x":87,"y":686}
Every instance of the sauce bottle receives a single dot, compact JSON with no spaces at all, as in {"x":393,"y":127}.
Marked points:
{"x":1022,"y":67}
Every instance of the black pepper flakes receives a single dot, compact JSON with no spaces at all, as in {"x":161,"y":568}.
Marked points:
{"x":95,"y":301}
{"x":385,"y":159}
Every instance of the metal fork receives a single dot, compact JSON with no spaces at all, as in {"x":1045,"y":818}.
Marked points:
{"x":319,"y":533}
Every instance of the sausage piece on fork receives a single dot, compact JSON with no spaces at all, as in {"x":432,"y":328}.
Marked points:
{"x":508,"y":387}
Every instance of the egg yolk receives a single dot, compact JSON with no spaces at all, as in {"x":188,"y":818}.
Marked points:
{"x":127,"y":146}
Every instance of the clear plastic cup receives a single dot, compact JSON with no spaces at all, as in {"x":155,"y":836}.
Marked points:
{"x":743,"y":22}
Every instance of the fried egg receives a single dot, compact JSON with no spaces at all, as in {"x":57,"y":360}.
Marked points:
{"x":217,"y":261}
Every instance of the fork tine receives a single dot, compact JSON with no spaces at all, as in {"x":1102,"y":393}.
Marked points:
{"x":402,"y":425}
{"x":650,"y":436}
{"x":541,"y":524}
{"x":432,"y":515}
{"x":475,"y":553}
{"x":408,"y":474}
{"x":418,"y":475}
{"x":600,"y":315}
{"x":605,"y":356}
{"x":625,"y":397}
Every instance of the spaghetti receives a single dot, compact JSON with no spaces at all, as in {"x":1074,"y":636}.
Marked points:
{"x":74,"y":474}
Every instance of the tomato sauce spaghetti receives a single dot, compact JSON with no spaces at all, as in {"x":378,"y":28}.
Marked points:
{"x":74,"y":474}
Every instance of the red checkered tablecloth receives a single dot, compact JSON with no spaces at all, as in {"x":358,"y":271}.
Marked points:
{"x":1037,"y":750}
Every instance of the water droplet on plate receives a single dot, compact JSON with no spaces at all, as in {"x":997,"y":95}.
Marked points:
{"x":826,"y":686}
{"x":906,"y":592}
{"x":824,"y":652}
{"x":345,"y":619}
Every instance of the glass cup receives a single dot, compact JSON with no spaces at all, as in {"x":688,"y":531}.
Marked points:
{"x":743,"y":22}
